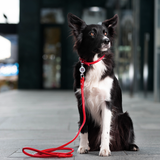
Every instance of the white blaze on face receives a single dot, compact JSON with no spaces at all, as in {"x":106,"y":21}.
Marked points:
{"x":105,"y":38}
{"x":105,"y":47}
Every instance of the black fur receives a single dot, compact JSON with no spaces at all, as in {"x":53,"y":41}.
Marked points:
{"x":87,"y":46}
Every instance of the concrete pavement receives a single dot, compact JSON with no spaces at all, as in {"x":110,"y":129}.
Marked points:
{"x":47,"y":119}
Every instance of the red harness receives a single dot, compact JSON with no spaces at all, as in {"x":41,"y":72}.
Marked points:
{"x":46,"y":153}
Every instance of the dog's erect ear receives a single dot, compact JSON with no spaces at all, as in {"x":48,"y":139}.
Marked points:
{"x":111,"y":22}
{"x":76,"y":24}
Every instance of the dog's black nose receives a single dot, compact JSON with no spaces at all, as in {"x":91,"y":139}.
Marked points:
{"x":106,"y":41}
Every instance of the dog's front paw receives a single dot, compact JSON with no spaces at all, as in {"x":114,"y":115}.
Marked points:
{"x":104,"y":152}
{"x":83,"y":149}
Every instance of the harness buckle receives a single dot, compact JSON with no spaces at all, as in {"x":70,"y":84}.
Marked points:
{"x":82,"y":70}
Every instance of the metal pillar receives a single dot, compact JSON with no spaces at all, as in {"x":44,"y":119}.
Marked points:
{"x":157,"y":51}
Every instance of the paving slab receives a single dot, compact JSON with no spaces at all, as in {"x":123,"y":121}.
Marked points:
{"x":47,"y":119}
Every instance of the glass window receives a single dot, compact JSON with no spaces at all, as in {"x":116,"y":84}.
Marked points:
{"x":52,"y":57}
{"x":5,"y":48}
{"x":9,"y":67}
{"x":94,"y":15}
{"x":124,"y":54}
{"x":52,"y":15}
{"x":9,"y":11}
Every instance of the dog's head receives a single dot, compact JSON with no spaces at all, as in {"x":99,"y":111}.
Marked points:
{"x":92,"y":39}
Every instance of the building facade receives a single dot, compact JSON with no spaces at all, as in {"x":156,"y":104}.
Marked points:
{"x":46,"y":56}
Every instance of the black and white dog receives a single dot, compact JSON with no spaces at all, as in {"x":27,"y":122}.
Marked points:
{"x":107,"y":128}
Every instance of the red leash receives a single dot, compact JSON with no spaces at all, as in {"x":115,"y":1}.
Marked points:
{"x":46,"y":153}
{"x":50,"y":152}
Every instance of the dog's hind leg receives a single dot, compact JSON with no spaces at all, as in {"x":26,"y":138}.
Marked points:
{"x":123,"y":133}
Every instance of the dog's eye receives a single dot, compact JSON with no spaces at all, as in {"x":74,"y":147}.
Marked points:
{"x":105,"y":33}
{"x":92,"y":34}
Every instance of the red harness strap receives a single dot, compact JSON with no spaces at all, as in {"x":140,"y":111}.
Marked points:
{"x":46,"y":153}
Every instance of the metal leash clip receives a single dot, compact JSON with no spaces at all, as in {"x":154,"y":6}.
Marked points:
{"x":82,"y":70}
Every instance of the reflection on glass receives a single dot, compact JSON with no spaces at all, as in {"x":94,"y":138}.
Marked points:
{"x":52,"y":15}
{"x":124,"y":53}
{"x":52,"y":58}
{"x":94,"y":15}
{"x":5,"y":48}
{"x":9,"y":67}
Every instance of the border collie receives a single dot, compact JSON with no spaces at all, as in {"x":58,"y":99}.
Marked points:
{"x":107,"y":127}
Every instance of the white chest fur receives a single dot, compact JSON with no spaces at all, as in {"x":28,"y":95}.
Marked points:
{"x":96,"y":91}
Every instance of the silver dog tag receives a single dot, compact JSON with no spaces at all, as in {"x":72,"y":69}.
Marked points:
{"x":82,"y":70}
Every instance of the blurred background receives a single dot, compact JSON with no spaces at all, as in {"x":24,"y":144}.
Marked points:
{"x":36,"y":51}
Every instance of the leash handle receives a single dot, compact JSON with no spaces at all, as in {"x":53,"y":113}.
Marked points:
{"x":50,"y":152}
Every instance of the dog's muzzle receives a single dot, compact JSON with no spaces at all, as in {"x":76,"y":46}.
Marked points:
{"x":106,"y":41}
{"x":105,"y":44}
